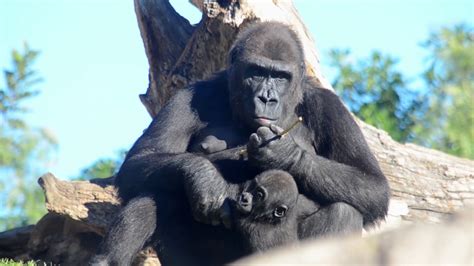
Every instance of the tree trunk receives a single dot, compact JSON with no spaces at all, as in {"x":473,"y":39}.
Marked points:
{"x":426,"y":185}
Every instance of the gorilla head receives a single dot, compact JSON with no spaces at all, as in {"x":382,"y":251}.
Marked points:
{"x":266,"y":213}
{"x":269,"y":197}
{"x":265,"y":75}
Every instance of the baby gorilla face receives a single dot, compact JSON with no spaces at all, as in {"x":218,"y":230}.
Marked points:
{"x":269,"y":198}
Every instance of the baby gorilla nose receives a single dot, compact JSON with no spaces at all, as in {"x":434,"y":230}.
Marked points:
{"x":244,"y":203}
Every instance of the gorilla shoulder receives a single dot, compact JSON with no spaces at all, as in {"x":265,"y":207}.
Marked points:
{"x":210,"y":98}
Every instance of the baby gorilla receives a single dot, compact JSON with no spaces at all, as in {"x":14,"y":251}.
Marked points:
{"x":268,"y":211}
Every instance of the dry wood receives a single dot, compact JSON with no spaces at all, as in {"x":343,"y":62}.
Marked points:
{"x":165,"y":34}
{"x":94,"y":203}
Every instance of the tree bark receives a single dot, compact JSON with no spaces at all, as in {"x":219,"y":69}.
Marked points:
{"x":165,"y":34}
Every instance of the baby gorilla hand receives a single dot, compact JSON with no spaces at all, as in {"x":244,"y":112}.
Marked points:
{"x":206,"y":190}
{"x":268,"y":150}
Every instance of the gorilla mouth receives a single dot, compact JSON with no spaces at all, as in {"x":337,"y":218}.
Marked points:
{"x":243,"y":209}
{"x":264,"y":121}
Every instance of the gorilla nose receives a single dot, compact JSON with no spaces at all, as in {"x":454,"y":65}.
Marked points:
{"x":246,"y":198}
{"x":245,"y":202}
{"x":267,"y":100}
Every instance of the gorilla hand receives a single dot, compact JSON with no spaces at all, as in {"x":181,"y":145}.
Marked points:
{"x":206,"y":190}
{"x":269,"y":150}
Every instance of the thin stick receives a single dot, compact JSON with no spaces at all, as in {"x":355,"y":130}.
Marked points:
{"x":283,"y":133}
{"x":300,"y":119}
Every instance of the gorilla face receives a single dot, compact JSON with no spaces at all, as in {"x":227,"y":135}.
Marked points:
{"x":269,"y":198}
{"x":265,"y":90}
{"x":265,"y":77}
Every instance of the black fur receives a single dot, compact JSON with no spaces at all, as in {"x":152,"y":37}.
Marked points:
{"x":263,"y":90}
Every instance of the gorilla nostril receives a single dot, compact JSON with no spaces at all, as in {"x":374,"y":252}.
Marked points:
{"x":263,"y":99}
{"x":268,"y":100}
{"x":245,"y":198}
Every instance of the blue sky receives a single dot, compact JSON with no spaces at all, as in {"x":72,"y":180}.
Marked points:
{"x":94,"y":66}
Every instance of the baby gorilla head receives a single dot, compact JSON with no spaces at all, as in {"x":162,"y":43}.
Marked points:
{"x":265,"y":210}
{"x":268,"y":198}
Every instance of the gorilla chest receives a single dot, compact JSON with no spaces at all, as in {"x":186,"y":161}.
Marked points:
{"x":223,"y":146}
{"x":215,"y":139}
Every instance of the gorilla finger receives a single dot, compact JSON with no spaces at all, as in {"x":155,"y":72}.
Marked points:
{"x":226,"y":221}
{"x":265,"y":133}
{"x":213,"y":210}
{"x":215,"y":218}
{"x":254,"y":140}
{"x":200,"y":213}
{"x":276,"y":129}
{"x":198,"y":217}
{"x":225,"y":213}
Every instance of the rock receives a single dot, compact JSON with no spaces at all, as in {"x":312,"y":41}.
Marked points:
{"x":451,"y":242}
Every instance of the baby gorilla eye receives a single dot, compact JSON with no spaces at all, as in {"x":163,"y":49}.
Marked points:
{"x":280,"y":211}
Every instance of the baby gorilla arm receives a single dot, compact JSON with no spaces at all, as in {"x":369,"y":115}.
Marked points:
{"x":306,"y":207}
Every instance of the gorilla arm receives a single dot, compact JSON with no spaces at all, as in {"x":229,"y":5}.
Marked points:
{"x":158,"y":161}
{"x":344,"y":169}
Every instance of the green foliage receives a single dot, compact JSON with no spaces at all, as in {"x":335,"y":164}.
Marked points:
{"x":8,"y":262}
{"x":449,"y":124}
{"x":102,"y":168}
{"x":440,"y":116}
{"x":374,"y":91}
{"x":22,"y":148}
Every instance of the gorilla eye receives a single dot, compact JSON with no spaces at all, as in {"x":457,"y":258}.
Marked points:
{"x":280,"y":211}
{"x":255,"y":72}
{"x":260,"y":194}
{"x":259,"y":72}
{"x":281,"y":76}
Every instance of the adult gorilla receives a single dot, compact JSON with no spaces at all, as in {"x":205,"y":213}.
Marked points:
{"x":177,"y":196}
